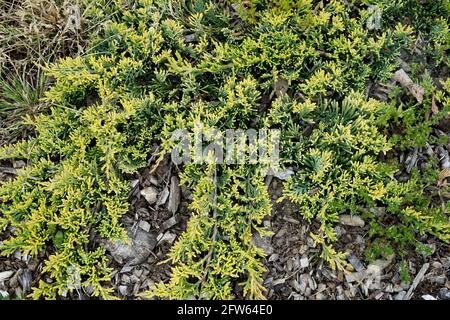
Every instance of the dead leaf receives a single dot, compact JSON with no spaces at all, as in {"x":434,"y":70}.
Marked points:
{"x":434,"y":107}
{"x":443,"y":175}
{"x":351,"y":220}
{"x":281,"y":86}
{"x":73,"y":19}
{"x":414,"y":89}
{"x":445,"y":195}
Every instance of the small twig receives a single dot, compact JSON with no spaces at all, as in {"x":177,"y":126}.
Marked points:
{"x":8,"y":170}
{"x":416,"y":281}
{"x":214,"y":235}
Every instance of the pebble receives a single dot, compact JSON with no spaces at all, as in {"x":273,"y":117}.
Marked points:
{"x":360,"y":240}
{"x":297,"y":287}
{"x":340,"y":293}
{"x":389,"y":288}
{"x":310,"y":242}
{"x":163,"y":197}
{"x":153,"y":180}
{"x":126,"y":279}
{"x":320,"y":296}
{"x":174,"y":197}
{"x":126,"y":269}
{"x":135,"y":251}
{"x":5,"y":275}
{"x":397,"y":288}
{"x":134,"y":278}
{"x":169,"y":223}
{"x":355,"y":276}
{"x":339,"y":231}
{"x":14,"y":282}
{"x":355,"y":262}
{"x":273,"y":257}
{"x":303,"y":249}
{"x":147,"y":284}
{"x":321,"y":287}
{"x":352,"y":292}
{"x":378,"y":265}
{"x":303,"y":283}
{"x":123,"y":290}
{"x":280,"y":233}
{"x":379,"y":295}
{"x":400,"y":295}
{"x":150,"y":194}
{"x":19,"y":164}
{"x":263,"y":243}
{"x":144,"y":225}
{"x":297,"y":296}
{"x":278,"y":282}
{"x":25,"y":280}
{"x":136,"y":288}
{"x":444,"y":294}
{"x":138,"y":273}
{"x":351,"y":220}
{"x":437,"y":265}
{"x":304,"y":262}
{"x":166,"y":237}
{"x":134,"y":183}
{"x":308,"y":292}
{"x":18,"y":291}
{"x":312,"y":283}
{"x":440,"y":280}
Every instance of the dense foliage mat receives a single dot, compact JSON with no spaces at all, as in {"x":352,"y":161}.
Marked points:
{"x":298,"y":66}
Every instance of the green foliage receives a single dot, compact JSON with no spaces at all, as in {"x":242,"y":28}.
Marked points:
{"x":338,"y":172}
{"x":19,"y":95}
{"x":73,"y":186}
{"x":217,"y":249}
{"x":404,"y":273}
{"x":414,"y":121}
{"x":161,"y":65}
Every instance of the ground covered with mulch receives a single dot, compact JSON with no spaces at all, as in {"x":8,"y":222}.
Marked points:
{"x":159,"y":213}
{"x":294,"y":268}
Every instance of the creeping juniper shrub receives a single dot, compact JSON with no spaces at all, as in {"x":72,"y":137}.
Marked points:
{"x":159,"y":66}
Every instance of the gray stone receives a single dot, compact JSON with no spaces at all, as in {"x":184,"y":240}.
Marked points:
{"x":356,"y":263}
{"x":144,"y":225}
{"x":163,"y":197}
{"x":135,"y":251}
{"x":174,"y":197}
{"x":5,"y":275}
{"x":166,"y":237}
{"x":123,"y":290}
{"x":320,"y":296}
{"x":351,"y":220}
{"x":169,"y":223}
{"x":150,"y":194}
{"x":400,"y":295}
{"x":25,"y":280}
{"x":437,"y":265}
{"x":263,"y":243}
{"x":444,"y":294}
{"x":304,"y":262}
{"x":440,"y":280}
